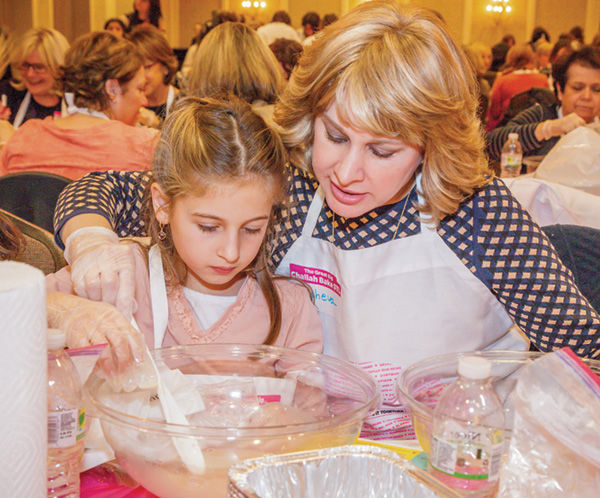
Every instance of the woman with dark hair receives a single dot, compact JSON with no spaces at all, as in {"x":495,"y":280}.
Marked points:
{"x":536,"y":35}
{"x":144,"y":11}
{"x":116,"y":26}
{"x":576,"y":83}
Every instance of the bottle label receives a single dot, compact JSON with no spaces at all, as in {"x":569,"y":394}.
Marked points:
{"x":511,"y":159}
{"x":468,"y":452}
{"x":65,"y":428}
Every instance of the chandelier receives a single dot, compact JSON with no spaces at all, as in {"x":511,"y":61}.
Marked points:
{"x":256,"y":4}
{"x":499,"y":6}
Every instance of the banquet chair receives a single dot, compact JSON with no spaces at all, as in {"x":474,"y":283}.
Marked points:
{"x":40,"y":250}
{"x":32,"y":196}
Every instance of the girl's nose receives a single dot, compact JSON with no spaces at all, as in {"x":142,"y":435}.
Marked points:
{"x":230,"y":248}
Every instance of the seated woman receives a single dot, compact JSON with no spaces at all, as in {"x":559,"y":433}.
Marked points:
{"x":577,"y":86}
{"x":33,"y":91}
{"x":103,"y":80}
{"x":160,"y":65}
{"x":520,"y":76}
{"x":233,"y":58}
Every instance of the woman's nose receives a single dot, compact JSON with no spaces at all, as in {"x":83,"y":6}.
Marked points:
{"x":350,"y":167}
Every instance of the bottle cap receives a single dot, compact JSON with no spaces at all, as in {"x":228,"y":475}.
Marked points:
{"x":56,"y":339}
{"x":474,"y":367}
{"x":513,"y":135}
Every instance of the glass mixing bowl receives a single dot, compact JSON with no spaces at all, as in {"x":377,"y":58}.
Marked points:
{"x":420,"y":385}
{"x":244,"y":401}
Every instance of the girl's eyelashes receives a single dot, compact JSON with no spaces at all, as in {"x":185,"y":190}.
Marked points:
{"x":214,"y":228}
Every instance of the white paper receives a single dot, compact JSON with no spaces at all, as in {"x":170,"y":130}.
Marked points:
{"x":23,"y":381}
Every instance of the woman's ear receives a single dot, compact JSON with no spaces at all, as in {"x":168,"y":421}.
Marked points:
{"x":112,"y":89}
{"x":160,"y":203}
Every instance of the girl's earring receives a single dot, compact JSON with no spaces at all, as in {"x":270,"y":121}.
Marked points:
{"x":161,"y":234}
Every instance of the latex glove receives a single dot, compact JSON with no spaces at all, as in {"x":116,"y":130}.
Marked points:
{"x":101,"y":268}
{"x":556,"y":127}
{"x":88,"y":323}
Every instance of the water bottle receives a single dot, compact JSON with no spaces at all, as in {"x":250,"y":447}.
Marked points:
{"x":467,"y":444}
{"x":66,"y":420}
{"x":512,"y":157}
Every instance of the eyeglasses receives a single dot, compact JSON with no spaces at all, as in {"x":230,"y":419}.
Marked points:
{"x":37,"y":68}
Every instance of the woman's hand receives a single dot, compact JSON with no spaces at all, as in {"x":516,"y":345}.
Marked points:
{"x":101,"y":268}
{"x":557,"y":127}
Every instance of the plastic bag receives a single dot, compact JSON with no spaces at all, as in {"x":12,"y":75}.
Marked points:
{"x":551,"y":203}
{"x":574,"y":161}
{"x":555,"y":444}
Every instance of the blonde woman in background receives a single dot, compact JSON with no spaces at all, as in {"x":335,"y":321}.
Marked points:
{"x":34,"y":91}
{"x":232,"y":57}
{"x":480,"y":57}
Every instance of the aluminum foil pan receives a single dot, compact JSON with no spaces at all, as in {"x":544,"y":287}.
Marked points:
{"x":350,"y":471}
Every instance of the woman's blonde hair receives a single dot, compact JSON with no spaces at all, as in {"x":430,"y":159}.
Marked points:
{"x":208,"y":141}
{"x":6,"y":49}
{"x":475,"y":53}
{"x":92,"y":60}
{"x":153,"y":46}
{"x":394,"y":72}
{"x":50,"y":44}
{"x":232,"y":57}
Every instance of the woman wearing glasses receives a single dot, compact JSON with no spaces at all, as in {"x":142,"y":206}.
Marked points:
{"x":104,"y":81}
{"x":33,"y":91}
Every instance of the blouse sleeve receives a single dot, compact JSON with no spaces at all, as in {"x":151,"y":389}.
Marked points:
{"x":301,"y":325}
{"x":115,"y":195}
{"x":517,"y":262}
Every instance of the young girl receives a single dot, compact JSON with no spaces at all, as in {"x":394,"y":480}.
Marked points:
{"x":218,"y":172}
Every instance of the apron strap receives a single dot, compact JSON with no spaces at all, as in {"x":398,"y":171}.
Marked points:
{"x":158,"y":294}
{"x":22,"y":110}
{"x":313,"y":213}
{"x":170,"y":99}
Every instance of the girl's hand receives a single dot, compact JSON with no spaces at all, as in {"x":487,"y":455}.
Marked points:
{"x":88,"y":323}
{"x":101,"y":268}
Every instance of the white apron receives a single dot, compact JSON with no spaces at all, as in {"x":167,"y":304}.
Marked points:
{"x":158,"y":295}
{"x":25,"y":105}
{"x":391,"y":305}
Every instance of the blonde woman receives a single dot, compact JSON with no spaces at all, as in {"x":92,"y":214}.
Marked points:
{"x":160,"y":65}
{"x":234,"y":58}
{"x":103,"y":79}
{"x":410,"y":244}
{"x":34,"y":90}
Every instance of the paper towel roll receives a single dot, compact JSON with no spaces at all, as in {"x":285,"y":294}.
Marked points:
{"x":23,"y":381}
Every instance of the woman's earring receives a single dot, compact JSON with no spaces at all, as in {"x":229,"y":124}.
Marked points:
{"x":161,"y":234}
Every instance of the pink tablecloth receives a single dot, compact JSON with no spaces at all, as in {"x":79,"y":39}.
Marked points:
{"x":103,"y":482}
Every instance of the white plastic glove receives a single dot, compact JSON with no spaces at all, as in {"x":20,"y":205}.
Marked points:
{"x":556,"y":127}
{"x":88,"y":323}
{"x":101,"y":268}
